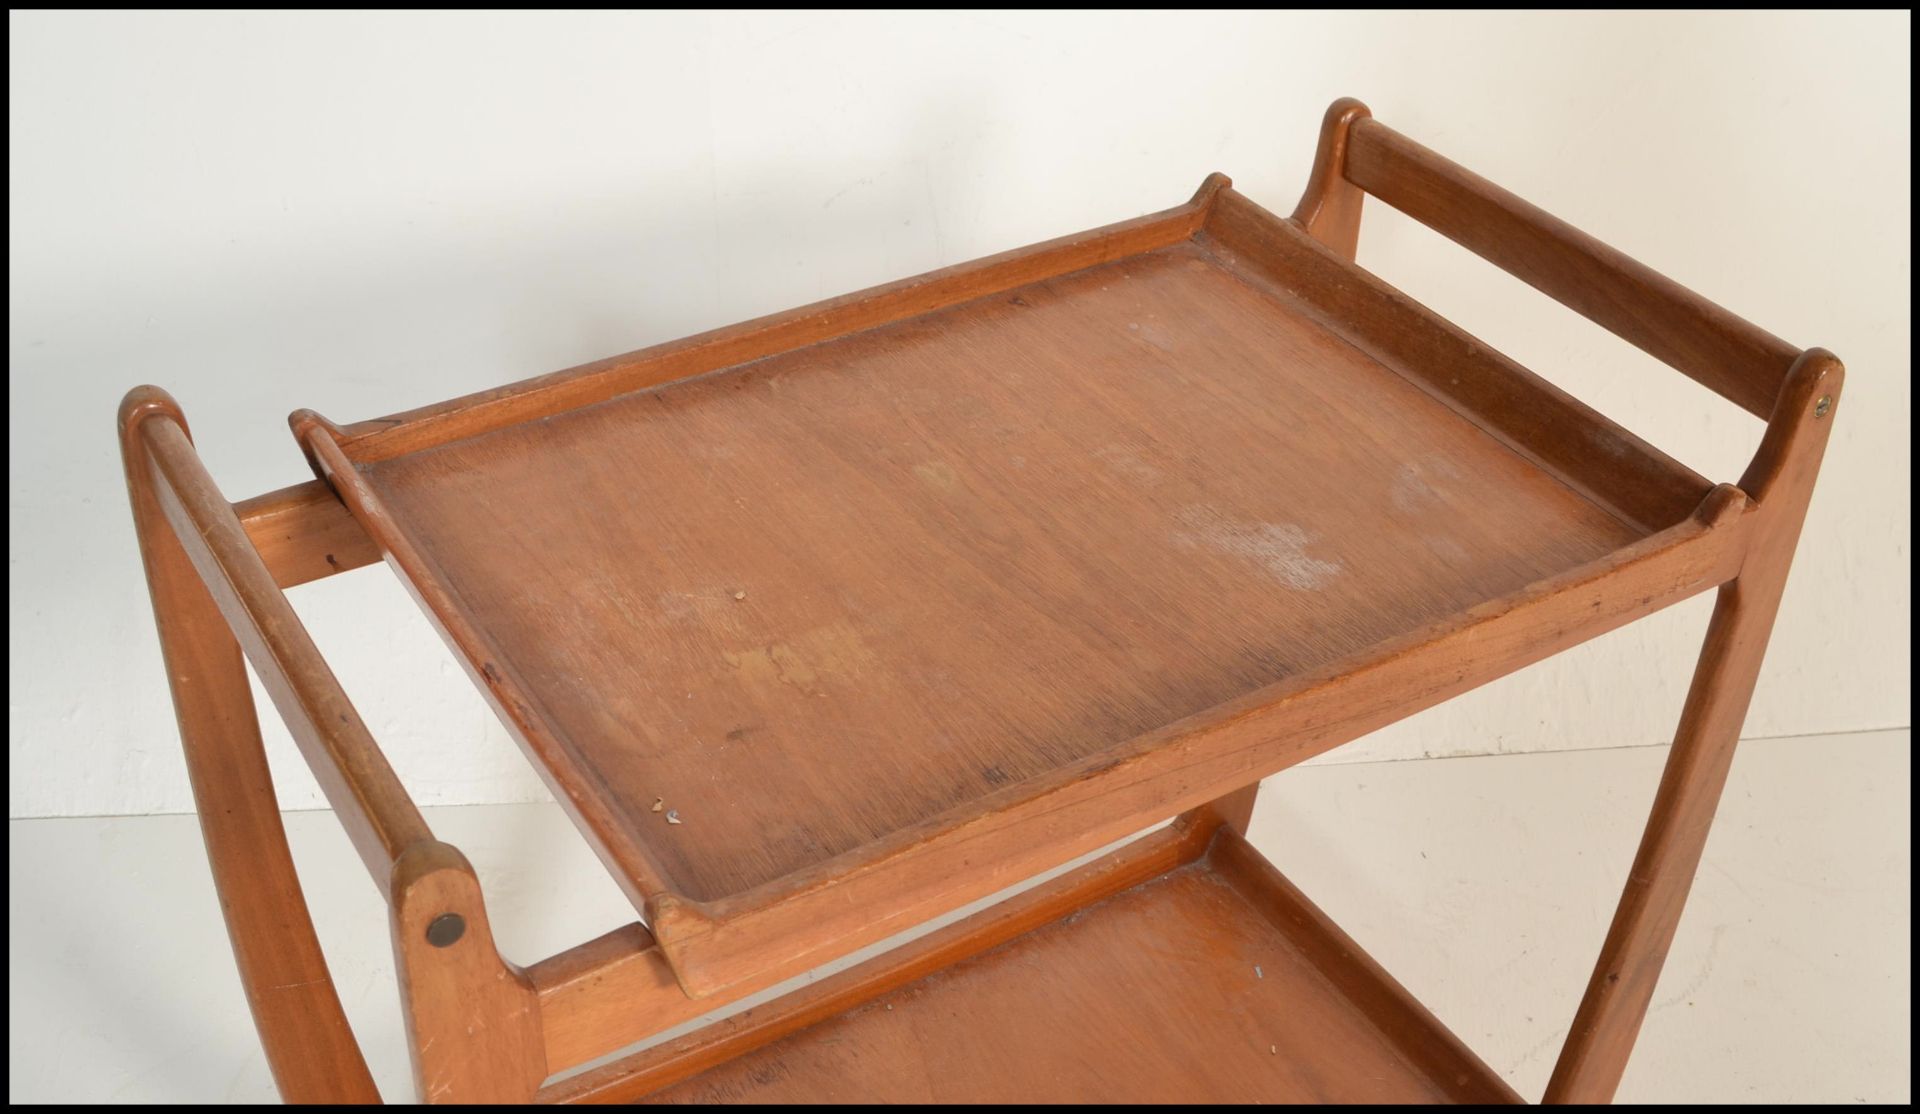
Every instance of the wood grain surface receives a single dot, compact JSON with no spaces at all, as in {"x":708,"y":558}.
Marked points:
{"x":569,"y":1005}
{"x":1216,"y":982}
{"x":813,"y":600}
{"x":305,"y":533}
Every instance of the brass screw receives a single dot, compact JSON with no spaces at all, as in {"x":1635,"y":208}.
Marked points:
{"x":445,"y":930}
{"x":1821,"y":407}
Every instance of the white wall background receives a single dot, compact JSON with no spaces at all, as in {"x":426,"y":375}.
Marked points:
{"x":362,"y":213}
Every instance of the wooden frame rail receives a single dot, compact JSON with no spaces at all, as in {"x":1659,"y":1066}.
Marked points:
{"x":1734,"y":357}
{"x":310,"y":1049}
{"x":1565,"y":437}
{"x":1795,"y":390}
{"x":356,"y":778}
{"x":305,"y":533}
{"x":483,"y":1029}
{"x":215,"y":571}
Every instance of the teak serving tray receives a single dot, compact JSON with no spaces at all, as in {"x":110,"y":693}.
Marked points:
{"x":826,"y":624}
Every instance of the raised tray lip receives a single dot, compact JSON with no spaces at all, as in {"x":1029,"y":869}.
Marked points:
{"x":1234,"y":232}
{"x":729,"y":346}
{"x":775,"y":927}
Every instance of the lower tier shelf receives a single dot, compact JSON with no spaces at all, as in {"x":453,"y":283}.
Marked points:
{"x":1213,"y":981}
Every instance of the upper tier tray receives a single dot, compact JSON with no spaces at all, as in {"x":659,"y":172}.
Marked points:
{"x":826,"y":622}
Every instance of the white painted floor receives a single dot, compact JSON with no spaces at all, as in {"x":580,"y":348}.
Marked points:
{"x":1484,"y":884}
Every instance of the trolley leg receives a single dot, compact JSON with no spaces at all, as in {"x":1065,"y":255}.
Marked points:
{"x":1781,"y":483}
{"x":309,"y":1047}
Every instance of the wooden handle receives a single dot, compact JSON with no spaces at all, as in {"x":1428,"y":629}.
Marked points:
{"x":1734,"y":357}
{"x":358,"y":782}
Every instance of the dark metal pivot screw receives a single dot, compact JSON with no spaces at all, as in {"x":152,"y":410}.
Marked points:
{"x":1821,"y":407}
{"x":446,"y":929}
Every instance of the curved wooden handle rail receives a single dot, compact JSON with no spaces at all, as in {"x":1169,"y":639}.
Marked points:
{"x":217,"y":594}
{"x":310,"y":1049}
{"x":1740,"y":360}
{"x":379,"y":816}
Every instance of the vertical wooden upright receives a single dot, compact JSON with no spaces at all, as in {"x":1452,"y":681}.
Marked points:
{"x":1780,"y":483}
{"x":1329,"y":209}
{"x":473,"y":1020}
{"x":309,"y":1047}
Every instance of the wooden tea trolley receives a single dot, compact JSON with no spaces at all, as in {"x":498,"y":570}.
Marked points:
{"x":828,"y":624}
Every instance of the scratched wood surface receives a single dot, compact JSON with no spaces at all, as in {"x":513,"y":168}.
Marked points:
{"x":808,"y":601}
{"x":1216,"y":982}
